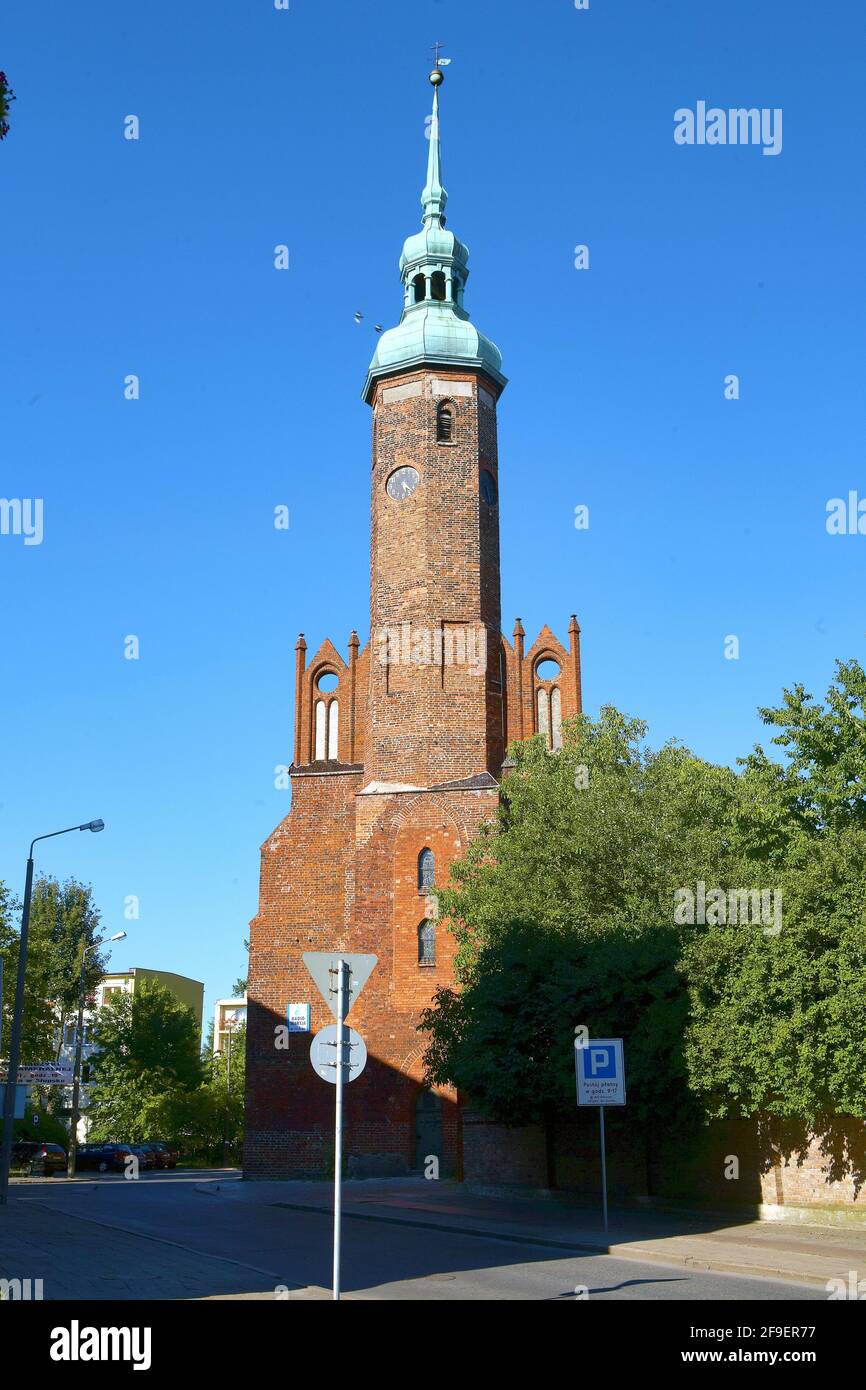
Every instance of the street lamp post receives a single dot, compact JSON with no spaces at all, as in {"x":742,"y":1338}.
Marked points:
{"x":230,"y":1023}
{"x":18,"y":1011}
{"x":79,"y":1030}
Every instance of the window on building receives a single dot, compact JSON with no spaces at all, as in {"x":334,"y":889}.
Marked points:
{"x":555,"y":718}
{"x":444,"y":422}
{"x":544,"y":715}
{"x":437,"y":285}
{"x":426,"y":870}
{"x":427,"y":943}
{"x":419,"y":288}
{"x":321,"y":732}
{"x":333,"y":730}
{"x":455,"y":290}
{"x":327,"y":730}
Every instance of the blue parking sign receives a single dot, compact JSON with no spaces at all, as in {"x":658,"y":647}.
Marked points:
{"x":600,"y":1071}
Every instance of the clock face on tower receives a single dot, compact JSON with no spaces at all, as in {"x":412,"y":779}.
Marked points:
{"x":402,"y":483}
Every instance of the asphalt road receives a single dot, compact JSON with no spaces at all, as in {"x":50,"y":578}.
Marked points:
{"x":160,"y":1238}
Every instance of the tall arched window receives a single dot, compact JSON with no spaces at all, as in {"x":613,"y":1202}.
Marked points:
{"x":419,"y":288}
{"x":426,"y":870}
{"x":333,"y":730}
{"x":437,"y":285}
{"x":544,"y":714}
{"x":555,"y":718}
{"x":427,"y":942}
{"x":444,"y":422}
{"x":321,"y":732}
{"x":327,"y":730}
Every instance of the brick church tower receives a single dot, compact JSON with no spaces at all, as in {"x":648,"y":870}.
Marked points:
{"x":399,"y":745}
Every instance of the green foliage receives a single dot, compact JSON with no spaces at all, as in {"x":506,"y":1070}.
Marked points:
{"x":563,"y":914}
{"x":49,"y":1128}
{"x":778,"y":1024}
{"x":63,"y":919}
{"x":148,"y":1046}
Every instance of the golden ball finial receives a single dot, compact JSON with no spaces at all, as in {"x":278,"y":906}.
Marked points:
{"x":437,"y":77}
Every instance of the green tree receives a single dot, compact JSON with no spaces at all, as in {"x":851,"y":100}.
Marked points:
{"x":777,"y":1023}
{"x":563,"y":913}
{"x":147,"y":1045}
{"x":63,"y":919}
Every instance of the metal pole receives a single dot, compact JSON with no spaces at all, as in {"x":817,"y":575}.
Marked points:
{"x":76,"y":1076}
{"x":603,"y":1168}
{"x":15,"y":1040}
{"x":342,"y":972}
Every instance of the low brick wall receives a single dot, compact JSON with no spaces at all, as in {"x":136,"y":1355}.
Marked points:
{"x":728,"y":1162}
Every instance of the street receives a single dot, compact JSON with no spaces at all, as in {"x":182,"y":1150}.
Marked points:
{"x":192,"y":1235}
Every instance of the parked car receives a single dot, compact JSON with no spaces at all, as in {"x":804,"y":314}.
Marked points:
{"x":166,"y":1154}
{"x":38,"y":1159}
{"x":156,"y":1155}
{"x":145,"y":1155}
{"x":104,"y":1158}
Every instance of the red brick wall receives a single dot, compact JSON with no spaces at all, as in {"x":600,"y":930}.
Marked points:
{"x":340,"y":871}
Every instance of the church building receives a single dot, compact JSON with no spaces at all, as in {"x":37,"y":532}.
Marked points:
{"x":399,"y":744}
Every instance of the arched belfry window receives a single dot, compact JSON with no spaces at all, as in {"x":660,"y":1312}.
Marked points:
{"x":444,"y":422}
{"x":544,"y":715}
{"x":333,"y":729}
{"x":555,"y":719}
{"x":419,"y":288}
{"x":426,"y":870}
{"x":437,"y":285}
{"x":427,"y":942}
{"x":548,"y":702}
{"x":326,"y":717}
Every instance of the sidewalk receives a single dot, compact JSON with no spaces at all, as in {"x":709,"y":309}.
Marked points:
{"x":724,"y":1244}
{"x":90,"y":1259}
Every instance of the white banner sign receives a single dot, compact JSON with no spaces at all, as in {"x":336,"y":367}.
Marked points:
{"x":42,"y":1074}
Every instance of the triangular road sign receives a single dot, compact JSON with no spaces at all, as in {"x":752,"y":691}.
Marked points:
{"x":322,"y":965}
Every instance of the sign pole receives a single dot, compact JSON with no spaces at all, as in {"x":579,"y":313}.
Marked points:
{"x":603,"y":1168}
{"x":342,"y":973}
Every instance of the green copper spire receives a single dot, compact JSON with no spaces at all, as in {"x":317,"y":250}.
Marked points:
{"x":434,"y":327}
{"x":434,"y":197}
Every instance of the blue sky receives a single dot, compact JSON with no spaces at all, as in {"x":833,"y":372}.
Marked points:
{"x":306,"y":127}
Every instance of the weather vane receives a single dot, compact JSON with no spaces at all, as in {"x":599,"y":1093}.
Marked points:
{"x":437,"y":75}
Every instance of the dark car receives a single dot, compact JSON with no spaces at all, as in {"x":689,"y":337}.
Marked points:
{"x":105,"y":1158}
{"x":38,"y":1159}
{"x":166,"y":1154}
{"x":145,"y":1155}
{"x":155,"y":1153}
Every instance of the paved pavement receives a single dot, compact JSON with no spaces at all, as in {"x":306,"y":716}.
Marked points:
{"x":198,"y":1236}
{"x":727,"y":1244}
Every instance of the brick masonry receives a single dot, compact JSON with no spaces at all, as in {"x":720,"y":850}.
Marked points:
{"x":801,"y":1173}
{"x":409,"y":760}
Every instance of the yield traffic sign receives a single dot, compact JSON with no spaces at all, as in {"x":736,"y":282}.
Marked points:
{"x":323,"y":966}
